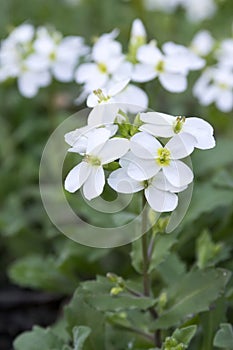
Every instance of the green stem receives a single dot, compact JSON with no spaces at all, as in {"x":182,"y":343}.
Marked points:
{"x":146,"y":278}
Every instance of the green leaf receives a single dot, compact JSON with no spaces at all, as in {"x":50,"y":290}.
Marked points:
{"x":39,"y":272}
{"x":97,"y":294}
{"x":38,"y":339}
{"x":210,"y":321}
{"x":79,"y":313}
{"x":224,"y":337}
{"x":192,"y":294}
{"x":172,"y":268}
{"x":206,"y":198}
{"x":209,"y":253}
{"x":185,"y":335}
{"x":80,"y":335}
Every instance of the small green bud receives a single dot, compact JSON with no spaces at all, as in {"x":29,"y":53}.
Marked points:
{"x":116,"y":290}
{"x":162,"y":301}
{"x":112,"y":277}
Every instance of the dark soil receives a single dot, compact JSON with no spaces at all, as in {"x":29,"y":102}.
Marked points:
{"x":20,"y":309}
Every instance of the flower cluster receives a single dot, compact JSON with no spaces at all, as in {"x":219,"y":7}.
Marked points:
{"x":196,"y":11}
{"x":34,"y":57}
{"x":147,"y":154}
{"x":106,"y":74}
{"x":216,"y":82}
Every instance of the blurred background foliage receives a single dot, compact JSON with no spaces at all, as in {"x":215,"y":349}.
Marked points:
{"x":33,"y":253}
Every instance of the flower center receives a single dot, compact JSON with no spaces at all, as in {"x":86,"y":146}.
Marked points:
{"x":163,"y":157}
{"x":92,"y":160}
{"x":52,"y":56}
{"x":101,"y":97}
{"x":178,"y":125}
{"x":102,"y":67}
{"x":223,"y":86}
{"x":160,"y":67}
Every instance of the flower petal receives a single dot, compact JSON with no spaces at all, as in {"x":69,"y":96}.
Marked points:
{"x":121,"y":182}
{"x":142,"y":169}
{"x":160,"y":182}
{"x":103,"y":114}
{"x":161,"y":201}
{"x":113,"y":149}
{"x":94,"y":185}
{"x":173,"y":82}
{"x":144,"y":145}
{"x":181,"y":145}
{"x":96,"y":140}
{"x":178,"y":173}
{"x":77,"y":176}
{"x":143,"y":72}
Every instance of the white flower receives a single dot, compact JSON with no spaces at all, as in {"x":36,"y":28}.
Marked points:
{"x":106,"y":56}
{"x":202,"y":43}
{"x":197,"y":11}
{"x":159,"y":193}
{"x":24,"y":33}
{"x":154,"y":64}
{"x":106,"y":95}
{"x":225,"y":53}
{"x":148,"y":157}
{"x":129,"y":97}
{"x":89,"y":173}
{"x":185,"y":59}
{"x":59,"y":55}
{"x":164,"y":125}
{"x":162,"y":5}
{"x":215,"y":85}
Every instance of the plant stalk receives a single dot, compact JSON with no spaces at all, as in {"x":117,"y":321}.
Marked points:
{"x":146,"y":278}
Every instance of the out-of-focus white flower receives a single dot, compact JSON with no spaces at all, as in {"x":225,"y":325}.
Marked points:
{"x":159,"y":193}
{"x":171,"y":74}
{"x":202,"y":43}
{"x":89,"y":173}
{"x":106,"y":57}
{"x":23,"y":34}
{"x":197,"y":11}
{"x":164,"y":125}
{"x":57,"y":54}
{"x":215,"y":86}
{"x":148,"y":157}
{"x":162,"y":5}
{"x":225,"y":53}
{"x":184,"y":57}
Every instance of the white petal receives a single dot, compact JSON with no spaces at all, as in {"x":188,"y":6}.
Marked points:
{"x":63,"y":71}
{"x":178,"y":173}
{"x":77,"y":176}
{"x":149,"y":54}
{"x":96,"y":140}
{"x":143,"y":73}
{"x":161,"y":201}
{"x":118,"y":87}
{"x":160,"y":119}
{"x":160,"y":182}
{"x":121,"y":182}
{"x":103,"y":114}
{"x":113,"y":149}
{"x":144,"y":145}
{"x":181,"y":145}
{"x":142,"y":169}
{"x":201,"y":130}
{"x":173,"y":82}
{"x":225,"y":101}
{"x":84,"y":72}
{"x":94,"y":185}
{"x":133,"y":99}
{"x":27,"y":84}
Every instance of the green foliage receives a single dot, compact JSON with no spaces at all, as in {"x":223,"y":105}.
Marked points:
{"x":224,"y":337}
{"x":190,"y":295}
